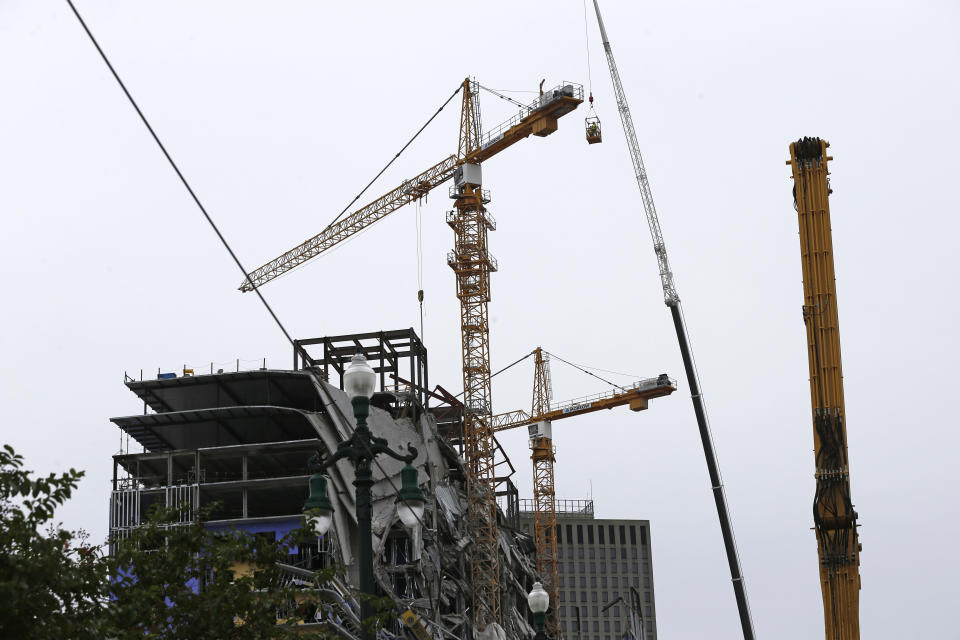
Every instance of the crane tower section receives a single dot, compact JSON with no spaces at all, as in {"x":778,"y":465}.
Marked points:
{"x":834,"y":517}
{"x":472,"y":263}
{"x":544,"y":494}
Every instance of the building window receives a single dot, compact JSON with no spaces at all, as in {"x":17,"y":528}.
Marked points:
{"x":636,"y":567}
{"x":583,"y":567}
{"x":593,"y":553}
{"x":593,"y":582}
{"x":596,"y":626}
{"x":561,"y":597}
{"x":600,"y":534}
{"x":606,"y":625}
{"x":570,"y":567}
{"x":583,"y":596}
{"x":643,"y":535}
{"x":580,"y":552}
{"x":593,"y":566}
{"x":573,"y":596}
{"x":583,"y":582}
{"x":594,"y":612}
{"x":649,"y":611}
{"x":633,"y":553}
{"x":616,"y":611}
{"x":613,"y":567}
{"x":623,"y":553}
{"x":636,"y":582}
{"x":569,"y":534}
{"x":646,"y":596}
{"x":633,"y":535}
{"x":559,"y":537}
{"x":616,"y":626}
{"x":561,"y":581}
{"x":623,"y":565}
{"x":563,"y":612}
{"x":603,"y":551}
{"x":560,"y":552}
{"x":614,"y":581}
{"x":646,"y":582}
{"x":646,"y":567}
{"x":623,"y":535}
{"x":593,"y":598}
{"x":563,"y":626}
{"x":646,"y":553}
{"x":397,"y":550}
{"x":606,"y":597}
{"x":579,"y":534}
{"x":613,"y":538}
{"x":603,"y":581}
{"x":589,"y":534}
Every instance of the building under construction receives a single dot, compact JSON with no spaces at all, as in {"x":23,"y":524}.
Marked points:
{"x":242,"y":440}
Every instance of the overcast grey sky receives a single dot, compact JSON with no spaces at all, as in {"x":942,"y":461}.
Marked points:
{"x":279,"y":112}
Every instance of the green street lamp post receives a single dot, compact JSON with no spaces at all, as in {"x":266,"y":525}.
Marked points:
{"x":539,"y":601}
{"x":360,"y":449}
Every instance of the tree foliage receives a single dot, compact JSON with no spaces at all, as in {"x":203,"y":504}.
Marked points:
{"x":165,"y":580}
{"x":52,"y":584}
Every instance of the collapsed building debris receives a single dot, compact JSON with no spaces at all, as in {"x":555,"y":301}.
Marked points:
{"x":242,"y":440}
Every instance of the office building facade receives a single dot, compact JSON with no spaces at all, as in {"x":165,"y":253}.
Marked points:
{"x":605,"y":574}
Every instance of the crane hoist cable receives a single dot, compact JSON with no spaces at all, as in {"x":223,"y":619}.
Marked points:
{"x":592,"y":121}
{"x":418,"y":217}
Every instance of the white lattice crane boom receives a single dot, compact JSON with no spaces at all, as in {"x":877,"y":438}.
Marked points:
{"x":672,"y":300}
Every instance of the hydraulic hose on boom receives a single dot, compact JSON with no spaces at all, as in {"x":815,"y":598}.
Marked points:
{"x":672,"y":300}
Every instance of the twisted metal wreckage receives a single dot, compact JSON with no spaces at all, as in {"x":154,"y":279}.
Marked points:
{"x":428,"y":571}
{"x":242,"y":440}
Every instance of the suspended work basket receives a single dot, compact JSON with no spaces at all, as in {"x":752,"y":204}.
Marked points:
{"x":592,"y":125}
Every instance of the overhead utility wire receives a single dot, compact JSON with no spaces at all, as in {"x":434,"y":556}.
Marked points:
{"x":207,"y":215}
{"x":179,"y":173}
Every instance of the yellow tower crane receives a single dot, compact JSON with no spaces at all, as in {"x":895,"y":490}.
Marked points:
{"x":472,"y":263}
{"x":539,"y":423}
{"x":834,"y":517}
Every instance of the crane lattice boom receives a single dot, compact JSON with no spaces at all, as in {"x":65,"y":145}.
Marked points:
{"x":539,"y":119}
{"x":672,"y":300}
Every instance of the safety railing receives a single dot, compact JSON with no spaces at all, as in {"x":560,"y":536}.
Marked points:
{"x":640,"y":385}
{"x":565,"y":89}
{"x":571,"y":507}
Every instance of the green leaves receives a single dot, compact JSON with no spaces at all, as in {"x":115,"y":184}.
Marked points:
{"x":165,"y":581}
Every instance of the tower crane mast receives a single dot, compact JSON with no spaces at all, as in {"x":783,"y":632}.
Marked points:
{"x":672,"y":299}
{"x":472,"y":264}
{"x":835,"y":519}
{"x":539,"y":423}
